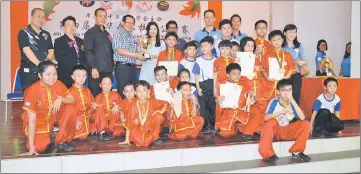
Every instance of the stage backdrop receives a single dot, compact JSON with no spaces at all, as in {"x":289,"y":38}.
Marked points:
{"x":185,"y":13}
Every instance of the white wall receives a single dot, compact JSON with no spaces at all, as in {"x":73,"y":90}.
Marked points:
{"x":250,"y":12}
{"x":323,"y":20}
{"x":5,"y":49}
{"x":282,"y":13}
{"x":355,"y":39}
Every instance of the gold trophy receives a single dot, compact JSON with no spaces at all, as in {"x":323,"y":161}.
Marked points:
{"x":251,"y":99}
{"x":144,"y":43}
{"x":327,"y":64}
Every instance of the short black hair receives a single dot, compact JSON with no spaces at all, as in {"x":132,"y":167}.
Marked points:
{"x":169,"y":34}
{"x":110,"y":78}
{"x":183,"y":70}
{"x":68,"y":18}
{"x":169,"y":23}
{"x":225,"y":43}
{"x":209,"y":10}
{"x":244,"y":41}
{"x":35,"y":9}
{"x":236,"y":16}
{"x":78,"y":67}
{"x":208,"y":39}
{"x":260,"y":22}
{"x":181,"y":84}
{"x":127,"y":16}
{"x":98,"y":9}
{"x":319,"y":43}
{"x":275,"y":33}
{"x":45,"y":64}
{"x":328,"y":80}
{"x":192,"y":43}
{"x":282,"y":83}
{"x":129,"y":84}
{"x":142,"y":83}
{"x":159,"y":68}
{"x":233,"y":66}
{"x":234,"y":43}
{"x":224,"y":22}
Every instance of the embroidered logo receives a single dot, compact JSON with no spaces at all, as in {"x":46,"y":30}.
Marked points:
{"x":45,"y":36}
{"x":27,"y":103}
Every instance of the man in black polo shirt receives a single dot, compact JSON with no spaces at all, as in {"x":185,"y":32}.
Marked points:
{"x":98,"y":51}
{"x":35,"y":45}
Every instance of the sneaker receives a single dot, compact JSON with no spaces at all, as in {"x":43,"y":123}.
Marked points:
{"x":93,"y":133}
{"x":157,"y":142}
{"x":105,"y":136}
{"x":318,"y":134}
{"x":301,"y":156}
{"x":214,"y":131}
{"x":247,"y":137}
{"x":206,"y":131}
{"x":273,"y":159}
{"x":55,"y":129}
{"x":65,"y":146}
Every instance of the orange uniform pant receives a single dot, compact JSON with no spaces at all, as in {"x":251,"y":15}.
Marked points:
{"x":299,"y":131}
{"x":145,"y":135}
{"x":67,"y":124}
{"x":41,"y":142}
{"x":105,"y":121}
{"x":84,"y":131}
{"x":187,"y":128}
{"x":119,"y":129}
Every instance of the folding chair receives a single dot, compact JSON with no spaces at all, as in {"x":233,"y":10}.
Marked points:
{"x":16,"y":93}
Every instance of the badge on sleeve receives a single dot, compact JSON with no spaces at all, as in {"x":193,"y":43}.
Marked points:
{"x":319,"y":58}
{"x":27,"y":103}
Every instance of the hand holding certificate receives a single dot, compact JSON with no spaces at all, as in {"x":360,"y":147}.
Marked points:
{"x":172,"y":67}
{"x":161,"y":91}
{"x":177,"y":103}
{"x":231,"y":94}
{"x":275,"y":71}
{"x":247,"y":60}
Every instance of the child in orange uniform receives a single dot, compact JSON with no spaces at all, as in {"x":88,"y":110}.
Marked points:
{"x":43,"y":100}
{"x":263,"y":45}
{"x":107,"y":112}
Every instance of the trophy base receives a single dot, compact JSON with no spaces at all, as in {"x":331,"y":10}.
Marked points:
{"x":147,"y":56}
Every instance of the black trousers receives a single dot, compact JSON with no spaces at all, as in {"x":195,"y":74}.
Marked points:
{"x":94,"y":84}
{"x":207,"y":104}
{"x":125,"y":73}
{"x":296,"y":87}
{"x":318,"y":73}
{"x":327,"y":121}
{"x":28,"y":76}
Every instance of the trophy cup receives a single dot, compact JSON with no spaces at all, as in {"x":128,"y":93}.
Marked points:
{"x":327,"y":64}
{"x":251,"y":99}
{"x":144,"y":43}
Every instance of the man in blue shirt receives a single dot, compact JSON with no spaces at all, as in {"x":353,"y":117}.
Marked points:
{"x":236,"y":25}
{"x":208,"y":30}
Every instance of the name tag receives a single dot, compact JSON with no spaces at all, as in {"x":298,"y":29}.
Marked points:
{"x":26,"y":70}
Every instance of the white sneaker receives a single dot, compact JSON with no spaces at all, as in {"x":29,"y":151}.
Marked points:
{"x":55,"y":129}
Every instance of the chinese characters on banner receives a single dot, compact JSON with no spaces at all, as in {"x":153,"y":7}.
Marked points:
{"x":143,"y":12}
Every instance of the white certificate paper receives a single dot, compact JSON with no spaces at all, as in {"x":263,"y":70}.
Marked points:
{"x":231,"y":93}
{"x":160,"y":91}
{"x":274,"y":69}
{"x":172,"y":67}
{"x":247,"y":60}
{"x":177,"y":102}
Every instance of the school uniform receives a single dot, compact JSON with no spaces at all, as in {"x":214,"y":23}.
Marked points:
{"x":204,"y":68}
{"x":319,"y":57}
{"x":346,"y":66}
{"x":325,"y":119}
{"x":188,"y":64}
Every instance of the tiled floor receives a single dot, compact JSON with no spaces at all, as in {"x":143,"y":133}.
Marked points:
{"x":13,"y":140}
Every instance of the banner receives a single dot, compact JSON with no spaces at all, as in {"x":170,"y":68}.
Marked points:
{"x":185,"y":13}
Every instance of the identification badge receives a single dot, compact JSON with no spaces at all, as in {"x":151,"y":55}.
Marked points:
{"x":26,"y":70}
{"x":297,"y":50}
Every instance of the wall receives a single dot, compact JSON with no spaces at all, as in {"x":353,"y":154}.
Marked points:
{"x":323,"y":20}
{"x":5,"y":49}
{"x":282,"y":13}
{"x":355,"y":39}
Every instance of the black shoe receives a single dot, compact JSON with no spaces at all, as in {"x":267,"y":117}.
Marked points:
{"x":157,"y":142}
{"x":206,"y":131}
{"x":93,"y":133}
{"x":214,"y":131}
{"x":105,"y":136}
{"x":301,"y":156}
{"x":318,"y":134}
{"x":247,"y":137}
{"x":65,"y":146}
{"x":273,"y":159}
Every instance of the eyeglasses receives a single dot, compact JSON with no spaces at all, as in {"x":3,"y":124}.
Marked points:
{"x":261,"y":28}
{"x":286,"y":90}
{"x":172,"y":28}
{"x":130,"y":23}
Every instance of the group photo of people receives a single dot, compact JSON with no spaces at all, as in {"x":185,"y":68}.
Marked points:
{"x":222,"y":82}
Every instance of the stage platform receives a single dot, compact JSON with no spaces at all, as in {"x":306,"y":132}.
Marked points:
{"x":205,"y":154}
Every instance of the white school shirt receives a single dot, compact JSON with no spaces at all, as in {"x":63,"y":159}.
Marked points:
{"x":204,"y":68}
{"x":322,"y":103}
{"x":187,"y":64}
{"x":275,"y":106}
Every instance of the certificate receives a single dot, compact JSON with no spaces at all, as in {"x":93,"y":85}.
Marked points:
{"x":231,"y":93}
{"x":275,"y":71}
{"x":160,"y":91}
{"x":172,"y":67}
{"x":177,"y":102}
{"x":246,"y":62}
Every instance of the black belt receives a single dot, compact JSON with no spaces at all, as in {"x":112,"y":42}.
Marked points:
{"x":123,"y":63}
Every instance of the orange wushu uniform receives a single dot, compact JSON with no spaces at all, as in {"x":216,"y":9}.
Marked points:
{"x":166,"y":114}
{"x":145,"y":121}
{"x":249,"y":123}
{"x":83,"y":103}
{"x":120,"y":127}
{"x":38,"y":99}
{"x":287,"y":65}
{"x":186,"y":125}
{"x":104,"y":118}
{"x":266,"y":46}
{"x":170,"y":55}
